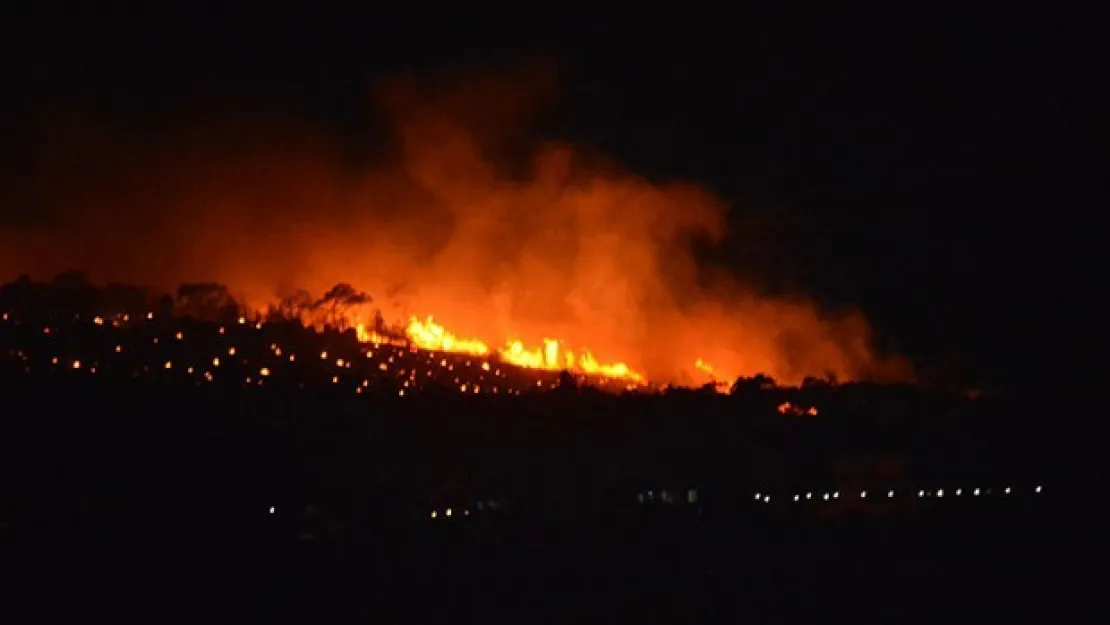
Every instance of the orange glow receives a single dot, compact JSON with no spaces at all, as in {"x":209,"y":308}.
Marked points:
{"x":552,"y":357}
{"x":788,"y":408}
{"x":552,"y":259}
{"x":432,"y":336}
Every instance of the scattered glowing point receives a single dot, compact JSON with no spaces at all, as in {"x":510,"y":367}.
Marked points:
{"x":920,"y":494}
{"x":434,"y":514}
{"x":836,"y":495}
{"x":940,"y":493}
{"x":1007,"y":490}
{"x":796,"y":497}
{"x":809,"y":495}
{"x":150,"y":315}
{"x":179,"y":336}
{"x":889,"y":494}
{"x":466,"y":512}
{"x":758,"y":496}
{"x":959,"y":491}
{"x":242,"y":320}
{"x":97,"y":320}
{"x":863,"y":494}
{"x":119,"y":348}
{"x":767,"y":499}
{"x":231,"y":351}
{"x":168,"y":365}
{"x":975,"y":492}
{"x":76,"y":364}
{"x":216,"y":361}
{"x":264,"y":372}
{"x":447,"y":512}
{"x":271,"y":509}
{"x":323,"y":355}
{"x":1037,"y":489}
{"x":826,"y":496}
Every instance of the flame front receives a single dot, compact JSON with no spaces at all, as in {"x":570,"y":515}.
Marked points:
{"x":552,"y":356}
{"x":430,"y":335}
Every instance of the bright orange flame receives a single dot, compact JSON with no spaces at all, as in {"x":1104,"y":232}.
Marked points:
{"x":430,"y":335}
{"x":560,"y":247}
{"x":552,"y":356}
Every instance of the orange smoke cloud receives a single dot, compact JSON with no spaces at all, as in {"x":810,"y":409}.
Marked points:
{"x":449,"y":224}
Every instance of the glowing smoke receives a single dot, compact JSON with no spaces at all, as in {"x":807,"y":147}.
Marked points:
{"x":449,"y":223}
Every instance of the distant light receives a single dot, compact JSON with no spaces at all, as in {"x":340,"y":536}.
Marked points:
{"x":809,"y":495}
{"x":758,"y":496}
{"x":889,"y":494}
{"x":959,"y":491}
{"x":767,"y":499}
{"x":168,"y":365}
{"x":1037,"y":489}
{"x":940,"y":492}
{"x":179,"y":336}
{"x":796,"y":497}
{"x":447,"y":512}
{"x":920,"y":493}
{"x":466,"y":512}
{"x":1006,"y":490}
{"x":242,"y":320}
{"x":825,"y":496}
{"x":863,"y":494}
{"x":272,"y":509}
{"x":975,"y":492}
{"x":264,"y":371}
{"x":434,"y":514}
{"x":836,"y":495}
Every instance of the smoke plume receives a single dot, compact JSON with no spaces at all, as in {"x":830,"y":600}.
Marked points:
{"x":462,"y":217}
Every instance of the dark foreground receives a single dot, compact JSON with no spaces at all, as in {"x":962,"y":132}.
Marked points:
{"x":151,"y":505}
{"x":1021,"y":564}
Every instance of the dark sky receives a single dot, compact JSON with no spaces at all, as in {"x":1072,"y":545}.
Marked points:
{"x":941,"y":168}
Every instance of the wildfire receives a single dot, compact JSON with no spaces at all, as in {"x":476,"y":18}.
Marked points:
{"x":553,"y":356}
{"x":430,"y":335}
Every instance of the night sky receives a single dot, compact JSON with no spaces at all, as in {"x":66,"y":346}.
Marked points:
{"x":939,"y":168}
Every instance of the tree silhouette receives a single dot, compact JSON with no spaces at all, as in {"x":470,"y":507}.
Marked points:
{"x":207,"y":300}
{"x":757,"y":382}
{"x":338,"y":300}
{"x":296,"y":305}
{"x":72,"y":293}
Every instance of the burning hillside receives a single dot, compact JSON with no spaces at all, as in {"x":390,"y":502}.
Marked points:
{"x":473,"y":239}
